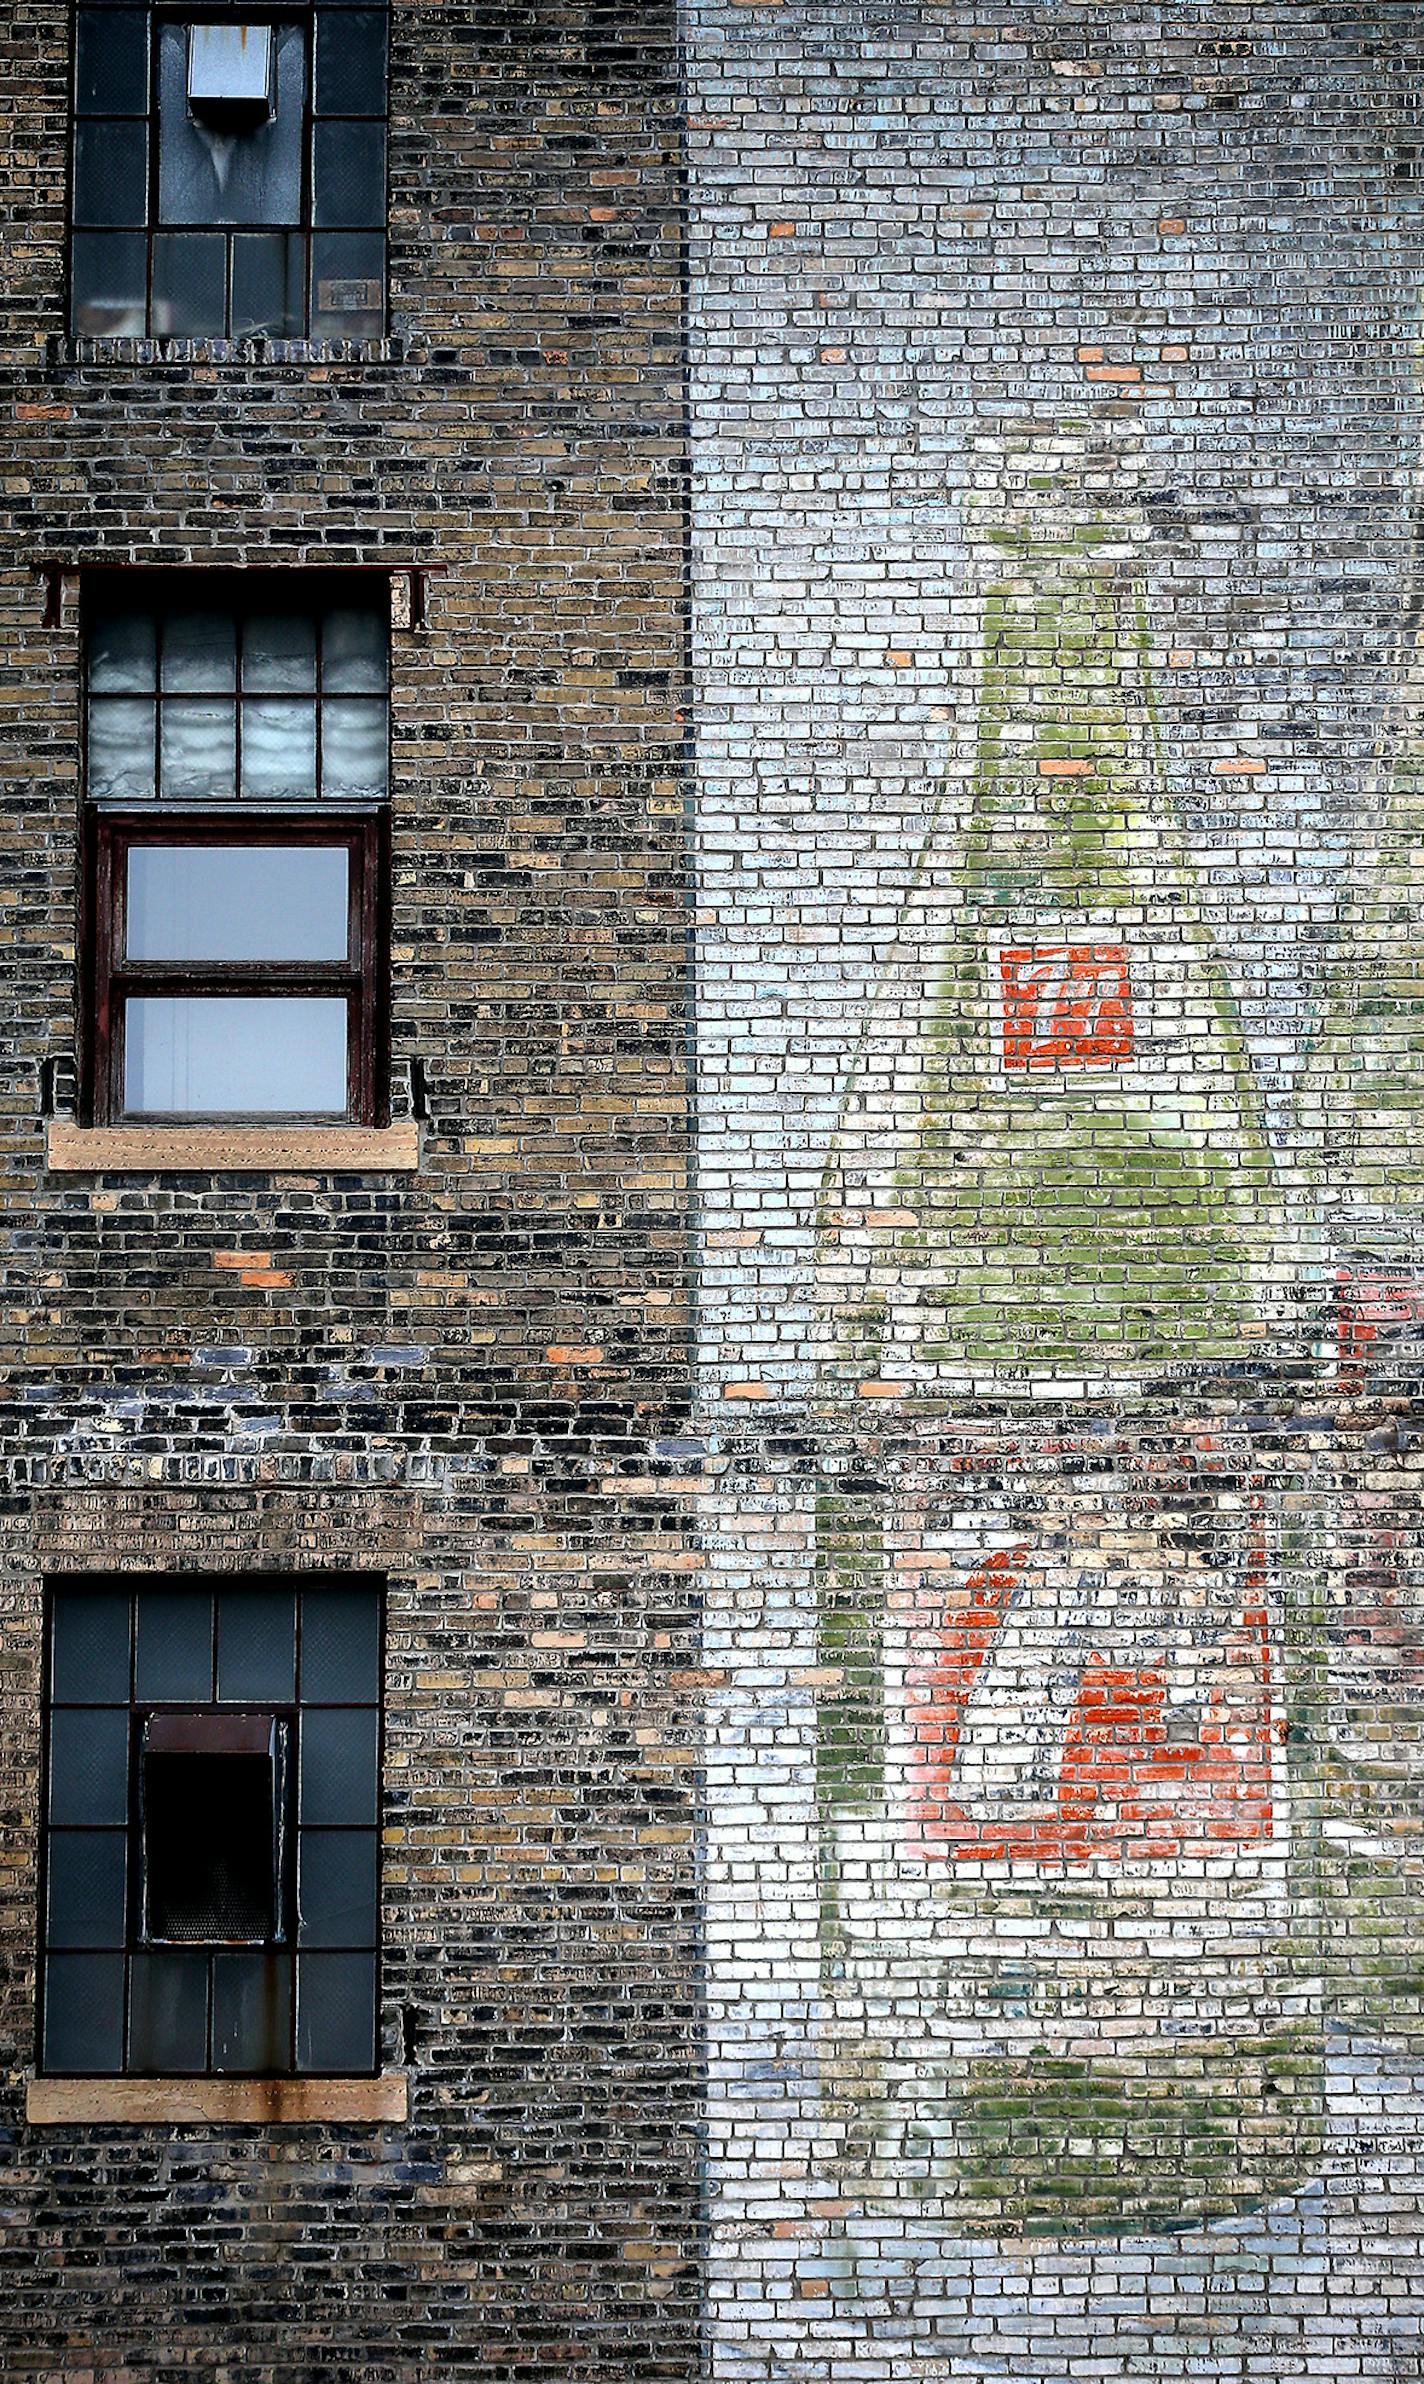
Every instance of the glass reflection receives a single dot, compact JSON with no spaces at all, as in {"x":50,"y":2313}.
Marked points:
{"x":237,"y":902}
{"x":235,"y":1055}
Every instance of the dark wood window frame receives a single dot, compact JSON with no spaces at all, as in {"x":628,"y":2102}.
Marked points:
{"x":113,"y":980}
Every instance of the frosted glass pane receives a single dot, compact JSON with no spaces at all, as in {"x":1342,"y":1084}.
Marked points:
{"x":175,"y":1644}
{"x":353,"y":652}
{"x":122,"y":655}
{"x":120,"y":750}
{"x":237,"y":902}
{"x":235,"y":1056}
{"x":336,"y":1888}
{"x":341,"y":1646}
{"x":199,"y":654}
{"x":354,"y":756}
{"x":197,"y":749}
{"x":279,"y":654}
{"x":278,"y":749}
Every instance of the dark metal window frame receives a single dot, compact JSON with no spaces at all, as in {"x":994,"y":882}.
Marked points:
{"x":113,"y":980}
{"x":204,"y":12}
{"x":199,"y":1724}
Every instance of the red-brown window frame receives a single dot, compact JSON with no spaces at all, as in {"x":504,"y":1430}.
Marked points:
{"x":112,"y":980}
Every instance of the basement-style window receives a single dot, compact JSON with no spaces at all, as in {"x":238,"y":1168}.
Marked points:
{"x":236,"y":782}
{"x":229,"y":171}
{"x":212,"y":1776}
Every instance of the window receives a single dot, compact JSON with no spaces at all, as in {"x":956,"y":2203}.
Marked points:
{"x":211,"y":1828}
{"x":229,"y":171}
{"x":237,"y":769}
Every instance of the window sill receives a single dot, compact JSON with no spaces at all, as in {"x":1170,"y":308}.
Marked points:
{"x":129,"y":349}
{"x":225,"y":1150}
{"x":206,"y":2102}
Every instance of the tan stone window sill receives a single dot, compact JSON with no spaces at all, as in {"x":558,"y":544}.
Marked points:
{"x":222,"y":1150}
{"x":221,"y":2102}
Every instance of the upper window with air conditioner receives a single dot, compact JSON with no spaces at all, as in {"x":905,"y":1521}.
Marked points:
{"x":229,"y":176}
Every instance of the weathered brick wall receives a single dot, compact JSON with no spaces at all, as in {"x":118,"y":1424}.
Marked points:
{"x":472,"y":1379}
{"x":1054,"y":387}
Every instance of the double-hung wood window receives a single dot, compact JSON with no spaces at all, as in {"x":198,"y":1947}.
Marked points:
{"x":236,"y":784}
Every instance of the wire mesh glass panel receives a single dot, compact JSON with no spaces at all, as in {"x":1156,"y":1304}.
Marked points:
{"x":89,"y":1647}
{"x":348,"y":296}
{"x":338,"y":1767}
{"x":110,"y":172}
{"x":123,"y":654}
{"x":257,"y":1643}
{"x":268,"y":285}
{"x":351,"y":63}
{"x":189,"y":285}
{"x":336,"y":1887}
{"x":120,"y":750}
{"x":355,"y":758}
{"x":349,"y":174}
{"x":84,"y":2014}
{"x":355,"y":650}
{"x":174,"y":1662}
{"x":86,"y":1887}
{"x":88,"y":1766}
{"x":168,"y":2014}
{"x":108,"y":284}
{"x":111,"y":61}
{"x":278,"y":749}
{"x":252,"y":2014}
{"x":279,"y":654}
{"x":341,"y":1645}
{"x":336,"y":2012}
{"x":199,"y":653}
{"x":197,"y":749}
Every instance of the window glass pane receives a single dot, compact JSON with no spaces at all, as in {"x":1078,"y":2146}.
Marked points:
{"x":199,"y":654}
{"x":175,"y":1645}
{"x":209,"y":1840}
{"x":336,"y":1887}
{"x":189,"y":285}
{"x":235,"y":1056}
{"x":338,"y":1766}
{"x":168,"y":2014}
{"x":278,"y":749}
{"x":257,"y":1644}
{"x":86,"y":1878}
{"x":237,"y":902}
{"x":355,"y":758}
{"x":84,"y":2015}
{"x":89,"y":1647}
{"x":354,"y":651}
{"x":210,"y":173}
{"x":197,"y":749}
{"x":348,"y":272}
{"x":349,"y":174}
{"x":108,"y":278}
{"x":336,"y":2012}
{"x":341,"y":1646}
{"x":111,"y":173}
{"x":252,"y":2014}
{"x":120,"y":750}
{"x":268,"y":285}
{"x":89,"y":1766}
{"x":122,"y":655}
{"x":111,"y":62}
{"x":351,"y":63}
{"x":279,"y":654}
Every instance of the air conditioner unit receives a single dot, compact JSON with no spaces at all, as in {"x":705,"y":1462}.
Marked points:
{"x":230,"y":71}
